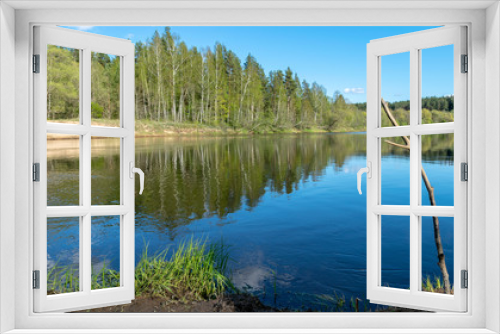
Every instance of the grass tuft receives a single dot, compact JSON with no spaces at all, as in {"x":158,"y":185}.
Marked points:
{"x":434,"y":286}
{"x":196,"y":270}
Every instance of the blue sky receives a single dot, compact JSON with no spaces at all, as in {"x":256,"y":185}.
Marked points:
{"x":334,"y":57}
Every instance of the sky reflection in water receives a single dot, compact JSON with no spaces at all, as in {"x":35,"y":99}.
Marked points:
{"x":287,"y":205}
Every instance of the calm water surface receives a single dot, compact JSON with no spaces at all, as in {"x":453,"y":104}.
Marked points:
{"x":287,"y":206}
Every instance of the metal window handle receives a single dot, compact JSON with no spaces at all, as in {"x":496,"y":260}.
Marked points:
{"x":368,"y":171}
{"x":133,"y":170}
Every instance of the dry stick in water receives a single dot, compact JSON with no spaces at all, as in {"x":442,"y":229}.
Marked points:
{"x":430,"y":191}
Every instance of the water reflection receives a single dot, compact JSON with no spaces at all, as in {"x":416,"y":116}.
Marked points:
{"x":192,"y":179}
{"x":288,"y":205}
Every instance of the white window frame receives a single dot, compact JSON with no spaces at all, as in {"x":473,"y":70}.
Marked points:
{"x":86,"y":43}
{"x":414,"y":43}
{"x":484,"y":47}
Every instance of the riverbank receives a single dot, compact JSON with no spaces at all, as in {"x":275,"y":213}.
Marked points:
{"x":193,"y":279}
{"x":146,"y":128}
{"x":226,"y":303}
{"x":149,"y":128}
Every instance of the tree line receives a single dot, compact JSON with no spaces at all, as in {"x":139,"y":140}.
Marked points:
{"x":440,"y":103}
{"x":176,"y":84}
{"x":213,"y":86}
{"x":435,"y":109}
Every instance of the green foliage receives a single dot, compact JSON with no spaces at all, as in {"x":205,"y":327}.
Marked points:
{"x":433,"y":286}
{"x":105,"y":278}
{"x":344,"y":116}
{"x":63,"y":279}
{"x":434,"y":110}
{"x":63,"y":82}
{"x":96,"y":110}
{"x":440,"y":103}
{"x":105,"y":86}
{"x":195,"y":270}
{"x":212,"y":87}
{"x":177,"y":84}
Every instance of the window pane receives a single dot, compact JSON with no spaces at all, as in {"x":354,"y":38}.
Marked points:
{"x":105,"y":171}
{"x":105,"y":252}
{"x":63,"y":255}
{"x":395,"y":87}
{"x":437,"y":84}
{"x":437,"y":162}
{"x":395,"y":172}
{"x":63,"y":84}
{"x":105,"y":106}
{"x":395,"y":252}
{"x":432,"y":271}
{"x":63,"y":169}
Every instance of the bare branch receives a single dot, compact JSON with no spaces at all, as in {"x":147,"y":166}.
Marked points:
{"x":406,"y":147}
{"x":393,"y":120}
{"x":432,"y":199}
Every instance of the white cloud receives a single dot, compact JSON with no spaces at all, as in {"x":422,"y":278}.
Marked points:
{"x":83,"y":28}
{"x":354,"y":90}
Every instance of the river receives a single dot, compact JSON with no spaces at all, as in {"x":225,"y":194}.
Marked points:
{"x":287,"y":206}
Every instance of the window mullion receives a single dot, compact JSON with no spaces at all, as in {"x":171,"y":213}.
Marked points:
{"x":414,"y":168}
{"x":433,"y":129}
{"x":85,"y":162}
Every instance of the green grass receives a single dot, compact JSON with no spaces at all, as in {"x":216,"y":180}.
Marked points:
{"x":63,"y":279}
{"x":105,"y":278}
{"x":196,"y":270}
{"x":434,"y":285}
{"x":146,"y":127}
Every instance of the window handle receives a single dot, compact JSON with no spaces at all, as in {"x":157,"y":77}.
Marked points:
{"x":368,"y":171}
{"x":141,"y":175}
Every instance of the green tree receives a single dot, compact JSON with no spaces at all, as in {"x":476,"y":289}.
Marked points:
{"x":63,"y":83}
{"x":175,"y":83}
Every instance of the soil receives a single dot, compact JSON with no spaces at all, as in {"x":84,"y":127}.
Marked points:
{"x":228,"y":303}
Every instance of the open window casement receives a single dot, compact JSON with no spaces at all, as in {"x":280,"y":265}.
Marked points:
{"x":414,"y":296}
{"x":78,"y":283}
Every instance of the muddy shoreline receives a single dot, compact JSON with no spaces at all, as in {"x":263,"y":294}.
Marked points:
{"x":227,"y":303}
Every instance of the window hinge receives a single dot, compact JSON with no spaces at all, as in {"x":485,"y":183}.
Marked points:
{"x":465,"y":279}
{"x":36,"y":172}
{"x":36,"y":279}
{"x":465,"y":64}
{"x":464,"y":171}
{"x":36,"y":63}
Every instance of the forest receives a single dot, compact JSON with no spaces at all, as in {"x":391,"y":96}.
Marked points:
{"x":180,"y":85}
{"x":434,"y":110}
